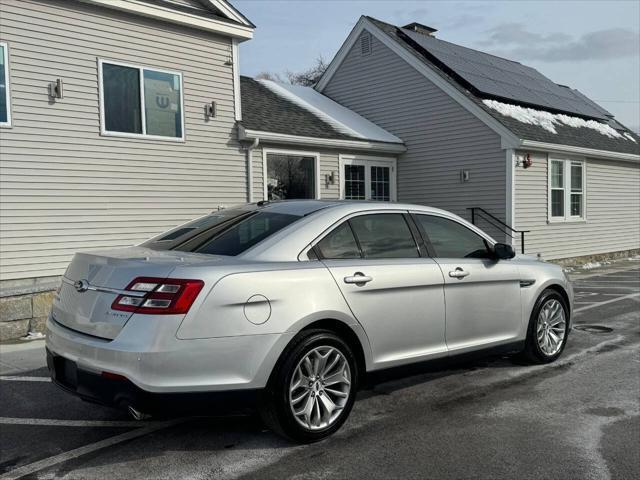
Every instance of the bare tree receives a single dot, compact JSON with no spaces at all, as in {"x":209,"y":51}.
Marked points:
{"x":306,"y":78}
{"x":309,"y":77}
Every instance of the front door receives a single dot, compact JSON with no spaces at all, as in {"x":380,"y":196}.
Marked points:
{"x":368,"y":178}
{"x":395,"y":294}
{"x":482,"y":295}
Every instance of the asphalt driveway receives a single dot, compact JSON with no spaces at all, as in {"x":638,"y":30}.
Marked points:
{"x":489,"y":418}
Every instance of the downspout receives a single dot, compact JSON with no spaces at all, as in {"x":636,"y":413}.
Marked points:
{"x":249,"y":149}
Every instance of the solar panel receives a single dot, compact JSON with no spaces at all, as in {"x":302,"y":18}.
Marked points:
{"x":498,"y":77}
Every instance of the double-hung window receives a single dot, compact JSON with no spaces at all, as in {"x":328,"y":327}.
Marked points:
{"x":5,"y":100}
{"x":566,"y":190}
{"x":140,"y":101}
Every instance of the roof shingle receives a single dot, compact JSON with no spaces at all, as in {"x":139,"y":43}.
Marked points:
{"x":266,"y":111}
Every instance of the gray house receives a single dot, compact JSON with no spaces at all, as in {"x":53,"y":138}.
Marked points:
{"x":487,"y":133}
{"x":121,"y":119}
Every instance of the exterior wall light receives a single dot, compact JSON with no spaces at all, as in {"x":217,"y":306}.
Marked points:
{"x":210,"y":110}
{"x":55,"y":89}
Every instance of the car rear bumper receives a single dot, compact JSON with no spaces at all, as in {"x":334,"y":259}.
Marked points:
{"x":122,"y":393}
{"x":150,"y":357}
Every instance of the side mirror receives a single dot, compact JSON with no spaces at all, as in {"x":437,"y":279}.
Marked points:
{"x":503,"y":251}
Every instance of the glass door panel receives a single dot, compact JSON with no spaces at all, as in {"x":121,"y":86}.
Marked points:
{"x":354,"y":182}
{"x":380,"y":183}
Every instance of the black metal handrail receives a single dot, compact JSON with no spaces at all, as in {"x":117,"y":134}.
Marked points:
{"x":492,"y":218}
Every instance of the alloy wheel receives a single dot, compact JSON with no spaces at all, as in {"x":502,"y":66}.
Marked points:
{"x":551,"y":327}
{"x":320,"y":387}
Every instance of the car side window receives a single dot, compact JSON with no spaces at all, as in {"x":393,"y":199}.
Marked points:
{"x":384,"y":235}
{"x":339,"y":244}
{"x":450,"y":239}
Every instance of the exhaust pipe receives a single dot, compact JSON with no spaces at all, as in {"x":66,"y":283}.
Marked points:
{"x":137,"y":414}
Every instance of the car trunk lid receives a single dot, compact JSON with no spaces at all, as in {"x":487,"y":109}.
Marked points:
{"x":93,"y":280}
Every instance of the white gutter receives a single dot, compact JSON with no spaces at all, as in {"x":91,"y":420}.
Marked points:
{"x":588,"y":152}
{"x":246,"y":134}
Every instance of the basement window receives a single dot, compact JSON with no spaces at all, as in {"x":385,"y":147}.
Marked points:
{"x":5,"y":100}
{"x":566,"y":190}
{"x":140,"y":102}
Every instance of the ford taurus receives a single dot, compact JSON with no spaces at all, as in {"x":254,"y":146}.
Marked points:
{"x":295,"y":302}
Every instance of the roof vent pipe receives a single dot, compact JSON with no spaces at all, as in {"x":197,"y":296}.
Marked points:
{"x":420,"y":28}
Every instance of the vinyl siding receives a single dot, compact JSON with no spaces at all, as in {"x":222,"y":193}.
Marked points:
{"x":66,"y":188}
{"x":612,"y":210}
{"x":442,"y":138}
{"x":329,"y":162}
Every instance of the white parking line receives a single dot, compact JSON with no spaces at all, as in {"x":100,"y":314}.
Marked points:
{"x":92,"y":447}
{"x":634,"y":276}
{"x":50,"y":422}
{"x":602,"y":286}
{"x":605,"y":302}
{"x":15,"y":378}
{"x":607,"y":281}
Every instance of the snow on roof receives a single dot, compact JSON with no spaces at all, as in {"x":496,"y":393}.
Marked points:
{"x":341,"y":118}
{"x":548,"y":120}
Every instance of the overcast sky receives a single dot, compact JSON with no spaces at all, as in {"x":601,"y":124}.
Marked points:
{"x":593,"y":46}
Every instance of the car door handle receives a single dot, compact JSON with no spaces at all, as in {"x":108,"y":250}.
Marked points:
{"x":458,"y":273}
{"x":358,"y":278}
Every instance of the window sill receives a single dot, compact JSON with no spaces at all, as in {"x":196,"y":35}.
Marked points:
{"x":138,"y":136}
{"x":6,"y":125}
{"x":553,"y":221}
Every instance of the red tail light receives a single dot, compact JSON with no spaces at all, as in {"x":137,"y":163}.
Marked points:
{"x":158,"y":296}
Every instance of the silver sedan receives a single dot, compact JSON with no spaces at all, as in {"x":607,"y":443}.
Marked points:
{"x":291,"y":304}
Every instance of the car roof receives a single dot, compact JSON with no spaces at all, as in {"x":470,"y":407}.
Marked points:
{"x":306,"y":207}
{"x":319,"y":217}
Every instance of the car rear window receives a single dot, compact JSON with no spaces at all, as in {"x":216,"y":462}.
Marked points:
{"x":196,"y":228}
{"x":240,"y":235}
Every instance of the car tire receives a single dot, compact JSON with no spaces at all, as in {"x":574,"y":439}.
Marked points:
{"x":550,"y":314}
{"x":281,"y":396}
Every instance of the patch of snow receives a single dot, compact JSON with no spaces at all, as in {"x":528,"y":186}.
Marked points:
{"x":630,"y":137}
{"x":634,"y":259}
{"x":590,"y":265}
{"x":341,"y":118}
{"x":33,"y":336}
{"x":548,"y":120}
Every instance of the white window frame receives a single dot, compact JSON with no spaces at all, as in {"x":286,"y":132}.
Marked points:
{"x":297,"y":153}
{"x":7,"y":90}
{"x":368,"y":162}
{"x":566,"y":179}
{"x":143,"y":135}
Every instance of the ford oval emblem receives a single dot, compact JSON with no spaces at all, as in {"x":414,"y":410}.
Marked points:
{"x":81,"y":286}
